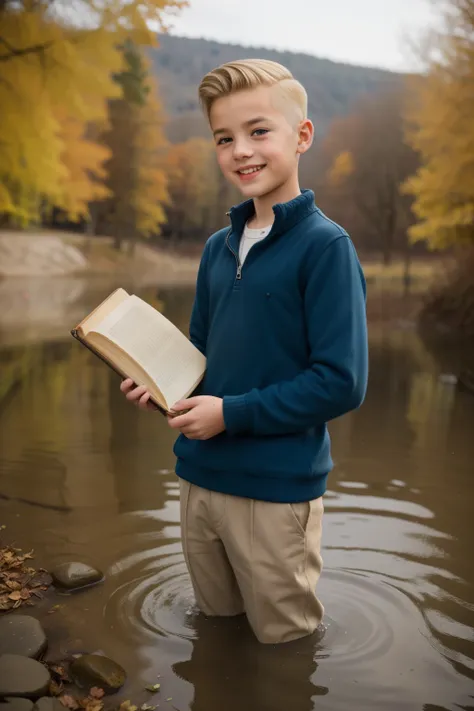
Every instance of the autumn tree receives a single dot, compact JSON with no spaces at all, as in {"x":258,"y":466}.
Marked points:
{"x":366,"y":160}
{"x":199,"y":194}
{"x":441,"y":129}
{"x":136,"y":178}
{"x":56,"y":77}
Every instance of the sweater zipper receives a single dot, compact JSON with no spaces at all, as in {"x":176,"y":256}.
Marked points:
{"x":238,"y":275}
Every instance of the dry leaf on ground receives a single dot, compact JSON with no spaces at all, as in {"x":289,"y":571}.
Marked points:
{"x":90,"y":704}
{"x":127,"y":706}
{"x":96,"y":692}
{"x":69,"y":702}
{"x":153,"y":687}
{"x":55,"y":689}
{"x":18,"y":581}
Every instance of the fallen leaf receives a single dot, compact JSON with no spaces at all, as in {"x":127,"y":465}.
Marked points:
{"x":96,"y":693}
{"x":40,"y":580}
{"x":55,"y":689}
{"x":147,"y":707}
{"x":16,"y":595}
{"x":153,"y":687}
{"x":59,"y":671}
{"x":55,"y":608}
{"x":90,"y":704}
{"x":69,"y":702}
{"x":127,"y":706}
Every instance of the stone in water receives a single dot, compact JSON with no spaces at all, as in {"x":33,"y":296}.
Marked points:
{"x":73,"y":576}
{"x":96,"y":670}
{"x":21,"y":676}
{"x":23,"y":635}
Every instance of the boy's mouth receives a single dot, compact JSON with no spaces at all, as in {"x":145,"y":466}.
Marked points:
{"x":249,"y":172}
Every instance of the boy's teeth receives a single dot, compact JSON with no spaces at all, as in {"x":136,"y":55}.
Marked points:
{"x":250,"y":170}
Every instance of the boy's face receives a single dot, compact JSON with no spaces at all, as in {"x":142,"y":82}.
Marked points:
{"x":259,"y":138}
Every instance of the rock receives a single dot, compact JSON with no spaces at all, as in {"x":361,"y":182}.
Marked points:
{"x":47,"y":703}
{"x":13,"y":704}
{"x":95,"y":670}
{"x":22,"y":635}
{"x":73,"y":576}
{"x":36,"y":254}
{"x":21,"y":676}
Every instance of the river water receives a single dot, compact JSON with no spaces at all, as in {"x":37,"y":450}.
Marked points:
{"x":85,"y":476}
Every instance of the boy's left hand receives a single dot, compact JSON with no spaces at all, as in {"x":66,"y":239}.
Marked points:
{"x":204,"y":420}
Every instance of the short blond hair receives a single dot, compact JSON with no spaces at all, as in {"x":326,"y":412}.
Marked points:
{"x":245,"y":74}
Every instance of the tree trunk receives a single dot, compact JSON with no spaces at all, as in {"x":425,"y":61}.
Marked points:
{"x":406,"y":266}
{"x":389,"y":238}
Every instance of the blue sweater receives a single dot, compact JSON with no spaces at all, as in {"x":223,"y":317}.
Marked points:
{"x":286,"y":345}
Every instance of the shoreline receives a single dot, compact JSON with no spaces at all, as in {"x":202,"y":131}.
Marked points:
{"x":58,"y":254}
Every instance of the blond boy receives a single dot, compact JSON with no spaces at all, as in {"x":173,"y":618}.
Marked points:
{"x":279,"y":313}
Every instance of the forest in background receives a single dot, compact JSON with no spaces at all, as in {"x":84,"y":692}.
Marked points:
{"x":100,"y":132}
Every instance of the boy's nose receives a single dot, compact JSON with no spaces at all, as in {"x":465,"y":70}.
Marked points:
{"x":242,"y":149}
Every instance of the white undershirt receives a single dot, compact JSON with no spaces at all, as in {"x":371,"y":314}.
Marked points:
{"x":251,"y":236}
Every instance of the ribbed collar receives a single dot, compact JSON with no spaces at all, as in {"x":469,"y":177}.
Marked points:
{"x":287,"y":215}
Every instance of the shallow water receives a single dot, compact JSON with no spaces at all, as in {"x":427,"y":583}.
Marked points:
{"x":83,"y":475}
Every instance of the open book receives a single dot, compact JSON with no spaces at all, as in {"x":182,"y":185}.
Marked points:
{"x":138,"y":342}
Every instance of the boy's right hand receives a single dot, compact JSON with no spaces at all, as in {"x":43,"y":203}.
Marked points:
{"x":137,"y":395}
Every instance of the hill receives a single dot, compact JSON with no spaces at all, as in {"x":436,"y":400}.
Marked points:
{"x":332,"y":87}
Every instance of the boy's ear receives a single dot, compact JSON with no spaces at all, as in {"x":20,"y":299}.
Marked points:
{"x":305,"y":136}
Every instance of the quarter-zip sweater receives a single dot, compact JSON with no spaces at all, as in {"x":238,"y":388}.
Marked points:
{"x":286,"y":345}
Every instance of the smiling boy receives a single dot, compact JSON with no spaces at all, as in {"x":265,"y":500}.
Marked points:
{"x":279,"y":314}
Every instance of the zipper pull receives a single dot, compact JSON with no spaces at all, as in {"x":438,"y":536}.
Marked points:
{"x":239,"y":272}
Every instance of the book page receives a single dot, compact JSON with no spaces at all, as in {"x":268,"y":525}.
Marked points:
{"x":170,"y":359}
{"x":99,"y":313}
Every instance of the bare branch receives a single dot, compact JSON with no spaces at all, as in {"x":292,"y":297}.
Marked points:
{"x":13,"y":52}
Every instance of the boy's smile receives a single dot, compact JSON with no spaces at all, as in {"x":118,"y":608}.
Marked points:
{"x":258,"y":142}
{"x":249,"y":172}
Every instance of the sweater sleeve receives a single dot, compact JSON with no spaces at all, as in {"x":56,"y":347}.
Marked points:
{"x":335,"y":380}
{"x":199,"y":324}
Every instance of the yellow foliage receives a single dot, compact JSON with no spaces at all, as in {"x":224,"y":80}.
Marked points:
{"x":342,"y":167}
{"x":441,"y":129}
{"x":83,"y":160}
{"x":151,"y":191}
{"x":54,"y":64}
{"x":193,"y":180}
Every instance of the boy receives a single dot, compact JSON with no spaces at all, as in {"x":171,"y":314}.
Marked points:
{"x":279,"y":314}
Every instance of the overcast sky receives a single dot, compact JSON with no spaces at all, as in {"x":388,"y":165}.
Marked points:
{"x":368,"y":32}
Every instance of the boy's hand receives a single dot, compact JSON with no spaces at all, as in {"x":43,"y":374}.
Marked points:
{"x":137,"y":394}
{"x":204,"y":420}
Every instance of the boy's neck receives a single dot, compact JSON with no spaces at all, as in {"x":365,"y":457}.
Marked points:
{"x":264,"y":215}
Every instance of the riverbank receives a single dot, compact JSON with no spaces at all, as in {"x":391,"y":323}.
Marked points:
{"x":53,"y":254}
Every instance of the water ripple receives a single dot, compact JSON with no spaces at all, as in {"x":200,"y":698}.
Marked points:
{"x":159,"y":601}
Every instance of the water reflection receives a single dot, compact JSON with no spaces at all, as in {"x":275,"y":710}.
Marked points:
{"x":83,"y":475}
{"x":254,"y":676}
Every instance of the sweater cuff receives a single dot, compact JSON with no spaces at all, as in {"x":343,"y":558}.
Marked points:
{"x":236,"y":415}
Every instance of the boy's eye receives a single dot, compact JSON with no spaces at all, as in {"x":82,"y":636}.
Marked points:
{"x":260,"y":132}
{"x":223,"y":141}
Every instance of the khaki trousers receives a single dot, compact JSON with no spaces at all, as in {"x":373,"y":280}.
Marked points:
{"x":257,"y":557}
